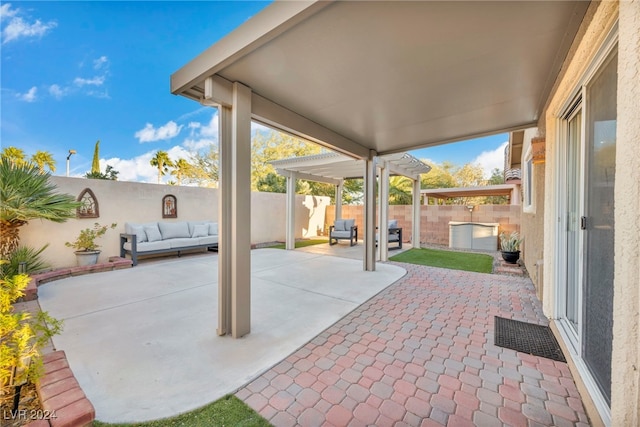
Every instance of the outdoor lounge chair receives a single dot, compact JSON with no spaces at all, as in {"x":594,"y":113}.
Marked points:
{"x":343,"y":229}
{"x":394,"y":234}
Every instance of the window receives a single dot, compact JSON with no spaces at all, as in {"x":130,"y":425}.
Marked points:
{"x":528,"y":186}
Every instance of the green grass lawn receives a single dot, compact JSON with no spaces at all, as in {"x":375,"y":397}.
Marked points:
{"x":466,"y":261}
{"x":302,"y":243}
{"x":227,"y":411}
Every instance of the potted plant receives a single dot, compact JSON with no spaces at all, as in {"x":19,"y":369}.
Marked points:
{"x":510,"y":246}
{"x":85,"y":244}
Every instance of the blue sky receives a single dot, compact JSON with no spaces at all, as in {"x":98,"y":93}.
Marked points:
{"x":76,"y":72}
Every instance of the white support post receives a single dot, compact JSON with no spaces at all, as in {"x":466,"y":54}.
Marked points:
{"x":339,"y":189}
{"x":225,"y":243}
{"x":234,"y":272}
{"x":290,"y":243}
{"x":383,"y":226}
{"x":370,"y":212}
{"x":415,"y":234}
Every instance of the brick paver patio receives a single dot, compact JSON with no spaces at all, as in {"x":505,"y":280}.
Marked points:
{"x":421,"y":353}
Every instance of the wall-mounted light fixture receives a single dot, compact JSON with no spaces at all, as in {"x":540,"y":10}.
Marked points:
{"x":470,"y":208}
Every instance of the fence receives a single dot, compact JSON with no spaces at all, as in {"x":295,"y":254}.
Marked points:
{"x":434,"y":219}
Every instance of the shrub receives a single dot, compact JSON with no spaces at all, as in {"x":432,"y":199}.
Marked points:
{"x":21,"y":337}
{"x":510,"y":243}
{"x":86,"y":240}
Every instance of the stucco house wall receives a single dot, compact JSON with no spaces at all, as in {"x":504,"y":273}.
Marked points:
{"x":541,"y":235}
{"x":532,"y":219}
{"x":121,"y":202}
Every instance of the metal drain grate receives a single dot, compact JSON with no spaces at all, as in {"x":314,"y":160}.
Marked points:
{"x":527,"y":338}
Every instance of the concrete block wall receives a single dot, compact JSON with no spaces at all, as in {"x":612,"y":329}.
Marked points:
{"x":121,"y":202}
{"x":434,"y":219}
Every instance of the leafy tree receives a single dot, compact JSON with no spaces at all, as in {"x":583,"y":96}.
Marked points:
{"x":469,"y":175}
{"x":110,"y":174}
{"x":440,"y":176}
{"x":95,"y":164}
{"x":182,"y":169}
{"x":270,"y":146}
{"x":204,"y":169}
{"x":27,"y":194}
{"x":14,"y":155}
{"x":161,"y":161}
{"x":497,"y":178}
{"x":42,"y":159}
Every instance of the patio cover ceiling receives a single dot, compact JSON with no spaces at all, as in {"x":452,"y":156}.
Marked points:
{"x":392,"y":76}
{"x":333,"y":167}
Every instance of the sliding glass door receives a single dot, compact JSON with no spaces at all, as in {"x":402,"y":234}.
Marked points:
{"x":586,"y":177}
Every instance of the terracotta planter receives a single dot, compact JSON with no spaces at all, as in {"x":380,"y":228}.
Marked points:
{"x":84,"y":258}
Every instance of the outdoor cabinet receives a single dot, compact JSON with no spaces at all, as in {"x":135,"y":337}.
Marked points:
{"x":473,"y":235}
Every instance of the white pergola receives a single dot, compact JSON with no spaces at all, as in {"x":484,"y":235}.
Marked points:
{"x":368,"y":79}
{"x":334,"y":168}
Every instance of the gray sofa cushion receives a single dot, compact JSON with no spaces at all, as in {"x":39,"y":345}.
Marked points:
{"x":200,"y":230}
{"x":213,"y":229}
{"x":174,"y":230}
{"x":209,"y":240}
{"x":348,"y":223}
{"x":153,"y":233}
{"x":141,"y":235}
{"x":341,"y":234}
{"x":149,"y":246}
{"x":338,"y":225}
{"x":393,"y":223}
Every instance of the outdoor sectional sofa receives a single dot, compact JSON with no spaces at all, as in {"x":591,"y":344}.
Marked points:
{"x":161,"y":237}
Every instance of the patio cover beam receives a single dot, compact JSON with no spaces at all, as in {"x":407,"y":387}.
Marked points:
{"x":219,"y":91}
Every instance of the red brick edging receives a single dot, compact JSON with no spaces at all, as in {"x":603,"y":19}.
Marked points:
{"x":114,"y":263}
{"x":64,"y":404}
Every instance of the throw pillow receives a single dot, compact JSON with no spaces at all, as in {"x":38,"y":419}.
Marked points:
{"x":138,"y":230}
{"x":393,"y":223}
{"x":200,"y":230}
{"x":348,"y":223}
{"x":174,"y":230}
{"x":213,"y":229}
{"x":339,"y":225}
{"x":153,"y":234}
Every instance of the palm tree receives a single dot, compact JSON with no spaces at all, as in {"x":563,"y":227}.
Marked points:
{"x":162,"y":161}
{"x":14,"y":155}
{"x":182,"y":169}
{"x":42,"y":159}
{"x":400,"y":189}
{"x":27,"y":194}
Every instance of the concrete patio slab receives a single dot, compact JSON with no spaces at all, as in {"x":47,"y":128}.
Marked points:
{"x":142,"y":342}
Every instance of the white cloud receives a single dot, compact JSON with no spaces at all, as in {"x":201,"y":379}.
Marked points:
{"x":18,"y":27}
{"x":30,"y":96}
{"x":7,"y":12}
{"x":151,"y":134}
{"x":490,"y":160}
{"x":56,"y":91}
{"x":100,"y":63}
{"x":96,"y":81}
{"x":139,"y":168}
